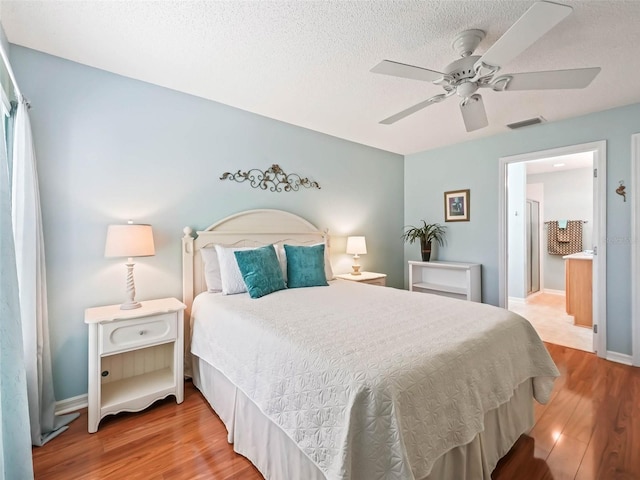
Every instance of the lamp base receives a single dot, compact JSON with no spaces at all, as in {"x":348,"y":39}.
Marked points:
{"x":356,"y":270}
{"x":130,"y":306}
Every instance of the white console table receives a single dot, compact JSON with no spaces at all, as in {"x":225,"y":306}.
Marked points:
{"x":451,"y":279}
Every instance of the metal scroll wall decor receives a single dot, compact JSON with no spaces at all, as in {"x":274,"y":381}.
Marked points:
{"x":273,"y":179}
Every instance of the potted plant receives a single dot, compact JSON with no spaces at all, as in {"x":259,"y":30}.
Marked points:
{"x":427,"y":233}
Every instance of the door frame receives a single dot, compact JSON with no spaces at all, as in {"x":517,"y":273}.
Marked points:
{"x":635,"y":247}
{"x":599,"y":150}
{"x":530,"y":250}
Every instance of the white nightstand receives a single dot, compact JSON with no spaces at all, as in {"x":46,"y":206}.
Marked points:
{"x":371,"y":278}
{"x":135,"y":357}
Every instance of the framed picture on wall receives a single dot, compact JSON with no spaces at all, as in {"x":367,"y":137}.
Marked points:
{"x":456,"y":206}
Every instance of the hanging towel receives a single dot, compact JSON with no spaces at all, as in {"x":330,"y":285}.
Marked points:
{"x":564,"y":235}
{"x":562,"y":224}
{"x":566,"y":241}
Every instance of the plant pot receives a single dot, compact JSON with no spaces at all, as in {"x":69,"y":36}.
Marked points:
{"x":425,"y":250}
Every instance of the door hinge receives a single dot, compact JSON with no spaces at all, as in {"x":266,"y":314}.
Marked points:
{"x":595,"y":173}
{"x":595,"y":250}
{"x":595,"y":328}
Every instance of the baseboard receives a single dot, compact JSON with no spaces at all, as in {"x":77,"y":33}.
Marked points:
{"x":517,"y":300}
{"x":620,"y":358}
{"x":553,"y":292}
{"x":72,"y":404}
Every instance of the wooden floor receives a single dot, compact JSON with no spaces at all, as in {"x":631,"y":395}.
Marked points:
{"x":590,"y":430}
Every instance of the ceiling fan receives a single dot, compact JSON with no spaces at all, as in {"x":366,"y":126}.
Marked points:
{"x":470,"y":73}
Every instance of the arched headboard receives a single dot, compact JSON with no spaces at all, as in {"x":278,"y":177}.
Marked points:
{"x":251,"y":228}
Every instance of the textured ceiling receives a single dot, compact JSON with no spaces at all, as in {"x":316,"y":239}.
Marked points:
{"x":307,"y":63}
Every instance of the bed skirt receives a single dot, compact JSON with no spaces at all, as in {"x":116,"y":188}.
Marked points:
{"x":277,"y":457}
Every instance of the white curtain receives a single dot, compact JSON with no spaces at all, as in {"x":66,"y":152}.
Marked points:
{"x":29,"y":245}
{"x":15,"y":445}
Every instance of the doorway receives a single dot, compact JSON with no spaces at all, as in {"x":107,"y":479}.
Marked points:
{"x":532,"y":276}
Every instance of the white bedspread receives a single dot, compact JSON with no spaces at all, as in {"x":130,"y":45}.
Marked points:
{"x":371,"y":382}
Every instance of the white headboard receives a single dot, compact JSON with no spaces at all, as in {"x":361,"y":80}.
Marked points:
{"x":245,"y":229}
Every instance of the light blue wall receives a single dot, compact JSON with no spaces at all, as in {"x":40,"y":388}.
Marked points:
{"x":111,"y":148}
{"x":474,"y":165}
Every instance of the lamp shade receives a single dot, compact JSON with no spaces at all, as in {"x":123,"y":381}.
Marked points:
{"x":356,"y":245}
{"x":131,"y":240}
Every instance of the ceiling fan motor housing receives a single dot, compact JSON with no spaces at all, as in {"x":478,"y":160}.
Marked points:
{"x":462,"y":68}
{"x":460,"y":73}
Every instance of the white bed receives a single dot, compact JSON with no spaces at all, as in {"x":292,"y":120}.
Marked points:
{"x":358,"y":382}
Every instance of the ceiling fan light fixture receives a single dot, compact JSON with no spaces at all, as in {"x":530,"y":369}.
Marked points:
{"x":526,"y":123}
{"x":466,"y":89}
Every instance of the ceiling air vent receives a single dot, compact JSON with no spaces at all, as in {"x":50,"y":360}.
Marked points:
{"x":526,"y":123}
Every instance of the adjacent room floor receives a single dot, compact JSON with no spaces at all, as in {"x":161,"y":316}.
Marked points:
{"x":547,"y":314}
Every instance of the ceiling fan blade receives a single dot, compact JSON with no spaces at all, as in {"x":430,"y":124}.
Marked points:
{"x":538,"y":20}
{"x":473,"y":113}
{"x":414,"y":109}
{"x":387,"y":67}
{"x":552,"y":80}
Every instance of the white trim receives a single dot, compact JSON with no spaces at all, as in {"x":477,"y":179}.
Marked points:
{"x":551,"y":291}
{"x":518,"y":300}
{"x":503,"y":234}
{"x":72,"y":404}
{"x":599,"y":150}
{"x":619,"y":358}
{"x":7,"y":64}
{"x":6,"y":103}
{"x":600,"y":241}
{"x":635,"y":248}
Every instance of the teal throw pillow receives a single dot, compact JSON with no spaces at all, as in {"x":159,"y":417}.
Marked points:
{"x":260,"y":271}
{"x":305,"y":266}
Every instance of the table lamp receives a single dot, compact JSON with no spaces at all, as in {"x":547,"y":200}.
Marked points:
{"x":130,"y":240}
{"x":356,"y":246}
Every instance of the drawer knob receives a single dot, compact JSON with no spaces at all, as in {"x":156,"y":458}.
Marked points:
{"x":141,"y":332}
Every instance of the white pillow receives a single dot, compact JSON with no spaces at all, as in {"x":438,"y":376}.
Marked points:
{"x":211,"y":269}
{"x":328,"y":270}
{"x":282,"y":258}
{"x":232,"y":281}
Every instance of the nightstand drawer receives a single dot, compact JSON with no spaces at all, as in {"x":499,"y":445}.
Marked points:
{"x":370,"y":278}
{"x":377,"y":281}
{"x":120,"y":336}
